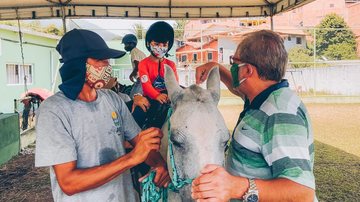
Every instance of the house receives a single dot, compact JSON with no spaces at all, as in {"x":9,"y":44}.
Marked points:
{"x":194,"y":52}
{"x":39,"y":66}
{"x":221,"y":40}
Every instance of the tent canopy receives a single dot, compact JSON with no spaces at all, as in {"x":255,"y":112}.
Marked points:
{"x":147,"y":9}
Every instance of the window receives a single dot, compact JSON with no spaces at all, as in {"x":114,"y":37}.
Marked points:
{"x":210,"y":56}
{"x":183,"y":58}
{"x":298,"y":40}
{"x":289,"y":38}
{"x":15,"y":73}
{"x":195,"y":57}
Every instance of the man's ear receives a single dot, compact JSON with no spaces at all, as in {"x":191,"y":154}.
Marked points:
{"x":248,"y":70}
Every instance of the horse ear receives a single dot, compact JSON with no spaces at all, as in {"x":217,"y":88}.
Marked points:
{"x":171,"y":84}
{"x":213,"y":83}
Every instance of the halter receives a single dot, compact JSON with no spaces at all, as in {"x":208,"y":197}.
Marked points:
{"x":151,"y":193}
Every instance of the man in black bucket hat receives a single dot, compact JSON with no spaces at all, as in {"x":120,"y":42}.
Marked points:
{"x":81,"y":129}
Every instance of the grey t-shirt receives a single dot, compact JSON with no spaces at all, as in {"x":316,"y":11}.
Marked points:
{"x":90,"y":133}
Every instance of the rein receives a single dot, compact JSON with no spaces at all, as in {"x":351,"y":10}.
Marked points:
{"x":151,"y":193}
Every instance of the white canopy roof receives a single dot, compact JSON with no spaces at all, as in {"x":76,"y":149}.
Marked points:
{"x":150,"y":9}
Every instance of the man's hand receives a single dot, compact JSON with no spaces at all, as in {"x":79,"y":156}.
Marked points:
{"x":146,"y":141}
{"x":216,"y":184}
{"x":202,"y":72}
{"x":141,"y":102}
{"x":162,"y":98}
{"x":162,"y":178}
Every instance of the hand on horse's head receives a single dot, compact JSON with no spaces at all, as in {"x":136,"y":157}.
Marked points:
{"x":202,"y":72}
{"x":216,"y":184}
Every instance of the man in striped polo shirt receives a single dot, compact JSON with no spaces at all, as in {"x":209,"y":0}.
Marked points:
{"x":271,"y":155}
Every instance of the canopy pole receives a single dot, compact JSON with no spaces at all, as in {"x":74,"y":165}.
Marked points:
{"x":272,"y":11}
{"x":63,"y":17}
{"x":22,"y":52}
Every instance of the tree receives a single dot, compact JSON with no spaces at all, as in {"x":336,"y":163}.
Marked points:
{"x":300,"y":57}
{"x":179,"y":27}
{"x":35,"y":26}
{"x":333,"y":34}
{"x":340,"y":51}
{"x":52,"y":29}
{"x":138,"y":30}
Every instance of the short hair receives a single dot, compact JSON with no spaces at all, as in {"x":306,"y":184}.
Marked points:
{"x":265,"y":50}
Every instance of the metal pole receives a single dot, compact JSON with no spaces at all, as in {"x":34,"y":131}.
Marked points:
{"x":314,"y":60}
{"x":272,"y":23}
{"x":63,"y":17}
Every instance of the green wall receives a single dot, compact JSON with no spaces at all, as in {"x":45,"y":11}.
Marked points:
{"x":38,"y":51}
{"x":9,"y":136}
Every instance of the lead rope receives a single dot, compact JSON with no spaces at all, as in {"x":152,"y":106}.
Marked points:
{"x":151,"y":193}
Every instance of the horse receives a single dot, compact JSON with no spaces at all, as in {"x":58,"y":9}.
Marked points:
{"x":198,"y":131}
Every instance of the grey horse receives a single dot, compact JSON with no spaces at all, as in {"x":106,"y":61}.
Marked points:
{"x":198,"y":131}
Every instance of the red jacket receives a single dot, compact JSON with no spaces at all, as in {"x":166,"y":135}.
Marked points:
{"x":148,"y":71}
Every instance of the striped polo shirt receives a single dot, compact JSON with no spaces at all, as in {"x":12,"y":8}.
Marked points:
{"x":273,"y":138}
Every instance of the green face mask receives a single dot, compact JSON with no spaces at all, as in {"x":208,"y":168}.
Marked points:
{"x":234,"y":69}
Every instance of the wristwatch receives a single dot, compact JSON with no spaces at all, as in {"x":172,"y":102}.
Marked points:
{"x":252,"y":195}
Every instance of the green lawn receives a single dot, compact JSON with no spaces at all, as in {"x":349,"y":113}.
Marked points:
{"x":337,"y":174}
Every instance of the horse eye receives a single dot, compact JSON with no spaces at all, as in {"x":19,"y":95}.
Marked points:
{"x":177,"y":138}
{"x":177,"y":144}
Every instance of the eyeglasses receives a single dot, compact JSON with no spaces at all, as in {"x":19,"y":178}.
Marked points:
{"x":233,"y":59}
{"x":236,"y":61}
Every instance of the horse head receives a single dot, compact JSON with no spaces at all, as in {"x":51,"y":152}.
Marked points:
{"x":198,"y":131}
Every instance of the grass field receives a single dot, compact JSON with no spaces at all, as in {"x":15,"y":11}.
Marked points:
{"x":337,"y":125}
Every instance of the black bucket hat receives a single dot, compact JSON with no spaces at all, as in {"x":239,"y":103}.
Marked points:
{"x":75,"y":47}
{"x":80,"y":43}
